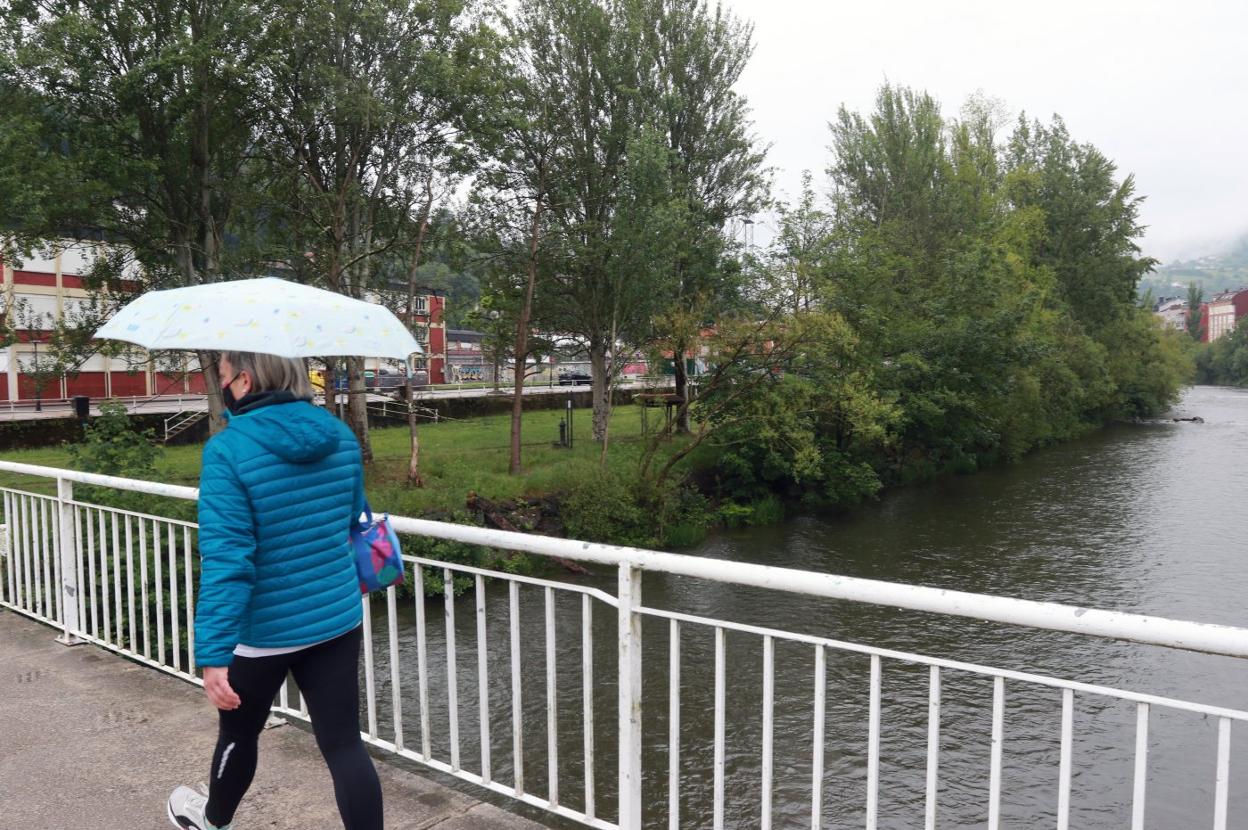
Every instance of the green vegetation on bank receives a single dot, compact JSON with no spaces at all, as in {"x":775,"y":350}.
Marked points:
{"x":1224,"y":362}
{"x":961,"y":298}
{"x":975,"y":298}
{"x":458,"y":458}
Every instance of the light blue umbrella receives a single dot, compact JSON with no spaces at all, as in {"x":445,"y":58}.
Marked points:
{"x":267,"y":315}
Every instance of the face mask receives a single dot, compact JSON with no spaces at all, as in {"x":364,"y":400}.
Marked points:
{"x":227,"y":394}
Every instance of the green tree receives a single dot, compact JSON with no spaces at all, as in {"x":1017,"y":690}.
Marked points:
{"x":363,"y":107}
{"x":1195,"y":310}
{"x":513,"y":199}
{"x":800,"y":249}
{"x":1091,"y":219}
{"x":693,"y":56}
{"x":142,"y":114}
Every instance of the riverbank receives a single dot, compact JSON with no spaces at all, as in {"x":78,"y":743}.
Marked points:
{"x":563,"y":491}
{"x":464,"y":466}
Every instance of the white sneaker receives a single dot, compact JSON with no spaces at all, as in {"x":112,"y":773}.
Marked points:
{"x":186,"y":810}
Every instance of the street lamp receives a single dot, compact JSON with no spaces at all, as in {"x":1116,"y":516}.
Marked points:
{"x":38,"y":384}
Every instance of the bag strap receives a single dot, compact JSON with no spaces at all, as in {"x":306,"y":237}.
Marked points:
{"x":355,"y":521}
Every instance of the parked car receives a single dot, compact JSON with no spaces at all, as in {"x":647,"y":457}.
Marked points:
{"x":387,"y":379}
{"x":420,"y":379}
{"x":384,"y":380}
{"x":575,"y":377}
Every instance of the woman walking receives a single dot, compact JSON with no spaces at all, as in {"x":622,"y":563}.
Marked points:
{"x":279,"y":489}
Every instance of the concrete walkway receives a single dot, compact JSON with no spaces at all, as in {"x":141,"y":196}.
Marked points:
{"x":91,"y":740}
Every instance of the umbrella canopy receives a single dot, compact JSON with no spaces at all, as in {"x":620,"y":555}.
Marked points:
{"x":267,"y":315}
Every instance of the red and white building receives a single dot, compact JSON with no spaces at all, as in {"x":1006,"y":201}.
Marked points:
{"x":1222,"y":313}
{"x":44,"y":288}
{"x":49,"y":285}
{"x":428,"y":324}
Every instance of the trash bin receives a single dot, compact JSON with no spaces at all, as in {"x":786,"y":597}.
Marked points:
{"x":82,"y":406}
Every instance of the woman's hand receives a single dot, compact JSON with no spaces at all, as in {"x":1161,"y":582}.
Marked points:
{"x":217,"y":687}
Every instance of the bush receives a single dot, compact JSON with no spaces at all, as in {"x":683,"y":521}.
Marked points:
{"x":112,"y":446}
{"x":685,"y":535}
{"x":603,"y":507}
{"x":458,"y":553}
{"x":767,"y":510}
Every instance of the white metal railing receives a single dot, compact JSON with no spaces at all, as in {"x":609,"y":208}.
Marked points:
{"x":124,"y":579}
{"x":182,"y":420}
{"x":50,"y":407}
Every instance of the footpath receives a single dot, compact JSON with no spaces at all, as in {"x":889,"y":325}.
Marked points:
{"x":91,"y":740}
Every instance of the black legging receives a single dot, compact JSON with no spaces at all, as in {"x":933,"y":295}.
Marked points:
{"x":328,"y":677}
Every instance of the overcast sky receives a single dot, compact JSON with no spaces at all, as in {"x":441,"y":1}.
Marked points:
{"x":1159,"y":87}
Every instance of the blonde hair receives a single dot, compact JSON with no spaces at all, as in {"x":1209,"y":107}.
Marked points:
{"x":270,"y":373}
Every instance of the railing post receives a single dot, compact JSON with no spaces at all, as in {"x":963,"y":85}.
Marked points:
{"x":630,"y":696}
{"x":68,"y":554}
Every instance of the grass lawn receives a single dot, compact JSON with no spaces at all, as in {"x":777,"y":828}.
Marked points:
{"x":456,"y":457}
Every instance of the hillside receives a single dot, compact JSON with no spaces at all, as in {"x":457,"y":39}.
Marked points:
{"x":1213,"y":273}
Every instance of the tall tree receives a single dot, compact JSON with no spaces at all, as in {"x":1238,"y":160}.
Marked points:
{"x":363,"y":108}
{"x":1195,"y":310}
{"x":800,"y":248}
{"x":144,"y":110}
{"x":693,"y":55}
{"x":1091,"y":219}
{"x":587,"y":60}
{"x":513,"y":194}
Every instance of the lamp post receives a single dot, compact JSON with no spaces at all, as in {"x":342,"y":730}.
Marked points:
{"x":38,"y":384}
{"x":494,"y":315}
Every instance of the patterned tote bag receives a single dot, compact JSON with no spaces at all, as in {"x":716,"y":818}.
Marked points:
{"x":376,"y":549}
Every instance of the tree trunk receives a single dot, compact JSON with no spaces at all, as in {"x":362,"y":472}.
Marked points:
{"x":357,"y":406}
{"x":212,"y":386}
{"x":331,"y":392}
{"x":522,"y":327}
{"x":517,"y":408}
{"x":682,"y":386}
{"x":413,"y":465}
{"x":610,"y":375}
{"x":601,"y":389}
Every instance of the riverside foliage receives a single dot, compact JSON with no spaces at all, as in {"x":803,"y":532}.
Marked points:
{"x":958,"y":295}
{"x":980,"y":295}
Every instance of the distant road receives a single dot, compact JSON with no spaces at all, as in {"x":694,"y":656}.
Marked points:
{"x":173,"y":404}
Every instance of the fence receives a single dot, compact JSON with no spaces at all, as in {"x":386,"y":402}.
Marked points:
{"x":512,"y":685}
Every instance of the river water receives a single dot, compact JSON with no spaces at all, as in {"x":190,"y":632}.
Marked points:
{"x":1142,"y":517}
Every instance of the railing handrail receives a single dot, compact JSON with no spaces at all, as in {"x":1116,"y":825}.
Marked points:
{"x":1151,"y":630}
{"x":153,"y":488}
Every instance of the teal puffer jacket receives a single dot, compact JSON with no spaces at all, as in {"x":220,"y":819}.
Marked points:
{"x":277,"y":493}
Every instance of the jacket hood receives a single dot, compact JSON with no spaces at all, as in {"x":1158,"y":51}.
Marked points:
{"x":296,"y":431}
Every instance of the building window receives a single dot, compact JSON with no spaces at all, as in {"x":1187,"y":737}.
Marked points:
{"x":422,"y":305}
{"x":421,"y":333}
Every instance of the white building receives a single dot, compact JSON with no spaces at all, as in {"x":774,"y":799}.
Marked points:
{"x":1173,"y":313}
{"x":47,"y":286}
